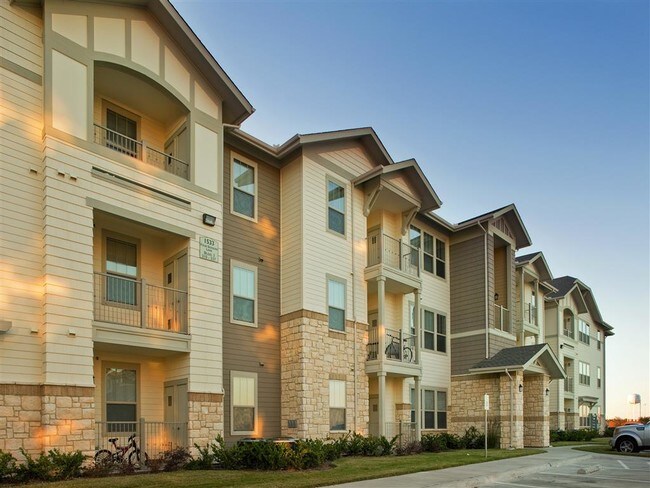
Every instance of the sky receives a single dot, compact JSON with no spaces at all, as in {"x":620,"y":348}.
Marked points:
{"x":540,"y":103}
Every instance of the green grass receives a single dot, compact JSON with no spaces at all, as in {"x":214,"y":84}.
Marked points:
{"x":344,"y":470}
{"x":605,"y":448}
{"x":596,"y":441}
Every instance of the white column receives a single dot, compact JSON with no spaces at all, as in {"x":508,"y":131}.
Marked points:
{"x":417,"y":396}
{"x":381,"y":411}
{"x":381,"y":316}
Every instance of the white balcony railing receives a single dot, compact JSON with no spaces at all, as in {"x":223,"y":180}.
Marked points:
{"x":398,"y":346}
{"x":502,"y":318}
{"x":383,"y":249}
{"x":140,"y":150}
{"x":530,"y":314}
{"x":126,"y":301}
{"x":154,"y":438}
{"x":568,"y":385}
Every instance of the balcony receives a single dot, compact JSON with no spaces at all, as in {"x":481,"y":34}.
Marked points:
{"x":140,"y":150}
{"x":568,"y":332}
{"x":530,"y":314}
{"x":398,"y":355}
{"x":502,"y":319}
{"x":398,"y":261}
{"x":568,"y":385}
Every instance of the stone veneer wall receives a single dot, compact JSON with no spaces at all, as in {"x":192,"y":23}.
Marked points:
{"x":536,"y":411}
{"x":572,"y":420}
{"x":466,"y":407}
{"x":205,"y":415}
{"x":310,"y":356}
{"x":42,"y":417}
{"x":402,"y":412}
{"x":556,"y":420}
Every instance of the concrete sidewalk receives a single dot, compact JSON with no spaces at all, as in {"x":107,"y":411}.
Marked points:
{"x":474,"y":475}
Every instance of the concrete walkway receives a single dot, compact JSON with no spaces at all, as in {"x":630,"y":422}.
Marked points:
{"x":474,"y":475}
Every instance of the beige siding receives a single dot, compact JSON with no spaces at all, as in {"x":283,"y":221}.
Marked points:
{"x":21,"y":199}
{"x":467,"y":352}
{"x":498,"y":342}
{"x":291,"y":236}
{"x":255,"y":349}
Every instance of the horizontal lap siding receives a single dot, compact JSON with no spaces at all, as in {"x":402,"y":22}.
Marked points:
{"x":248,"y":348}
{"x":21,"y":198}
{"x":467,"y":285}
{"x":291,"y":237}
{"x":467,"y":352}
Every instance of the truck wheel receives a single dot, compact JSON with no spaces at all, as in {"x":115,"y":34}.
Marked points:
{"x":626,"y":444}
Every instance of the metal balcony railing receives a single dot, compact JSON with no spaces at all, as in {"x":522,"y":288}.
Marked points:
{"x":140,"y":150}
{"x":568,"y":385}
{"x":393,"y":253}
{"x":502,"y":318}
{"x":128,"y":301}
{"x":398,"y":346}
{"x":569,"y":331}
{"x":153,"y":438}
{"x":530,"y":314}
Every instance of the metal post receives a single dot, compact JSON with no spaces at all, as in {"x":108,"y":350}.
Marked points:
{"x":142,"y":437}
{"x":143,"y":304}
{"x":145,"y":156}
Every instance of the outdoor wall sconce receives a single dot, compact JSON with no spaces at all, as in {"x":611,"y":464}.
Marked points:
{"x":209,"y":220}
{"x":496,"y":297}
{"x":5,"y":326}
{"x":521,"y":387}
{"x":546,"y":391}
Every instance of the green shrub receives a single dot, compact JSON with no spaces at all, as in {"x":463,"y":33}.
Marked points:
{"x":175,"y":459}
{"x":408,"y":448}
{"x":576,"y":435}
{"x":204,"y":460}
{"x":34,"y":469}
{"x":494,"y":434}
{"x":473,"y":439}
{"x":7,"y":466}
{"x":66,"y":465}
{"x":433,"y":443}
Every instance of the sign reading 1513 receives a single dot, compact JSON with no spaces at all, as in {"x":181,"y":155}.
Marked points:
{"x":208,"y":249}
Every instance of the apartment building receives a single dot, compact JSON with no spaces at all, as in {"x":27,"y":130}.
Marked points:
{"x":167,"y":274}
{"x":112,"y":220}
{"x":577,"y":333}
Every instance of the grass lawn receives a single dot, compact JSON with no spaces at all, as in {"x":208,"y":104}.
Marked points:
{"x":597,"y":441}
{"x":345,"y":470}
{"x":605,"y":448}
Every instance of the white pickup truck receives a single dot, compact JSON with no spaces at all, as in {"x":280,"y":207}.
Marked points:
{"x":631,"y":438}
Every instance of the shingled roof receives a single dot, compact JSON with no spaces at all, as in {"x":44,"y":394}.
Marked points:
{"x":563,"y":285}
{"x":526,"y":257}
{"x":512,"y":356}
{"x":522,"y":358}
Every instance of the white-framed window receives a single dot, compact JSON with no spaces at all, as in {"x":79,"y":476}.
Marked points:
{"x":243,"y":305}
{"x":244,"y":189}
{"x":434,"y":331}
{"x":335,"y":207}
{"x":583,"y":412}
{"x":121,"y":396}
{"x":583,"y":331}
{"x":415,"y":240}
{"x":336,"y":303}
{"x":337,"y":405}
{"x":122,"y":271}
{"x":428,"y":252}
{"x":584,"y":373}
{"x":434,"y":408}
{"x":599,"y":339}
{"x":243,"y":388}
{"x":598,"y":377}
{"x":441,"y":259}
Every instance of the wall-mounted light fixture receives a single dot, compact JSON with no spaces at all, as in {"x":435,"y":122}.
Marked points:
{"x":5,"y":326}
{"x":209,"y":220}
{"x":521,"y":387}
{"x":546,"y":391}
{"x":496,"y":297}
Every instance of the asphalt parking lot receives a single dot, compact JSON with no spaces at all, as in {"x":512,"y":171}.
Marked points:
{"x":599,"y":471}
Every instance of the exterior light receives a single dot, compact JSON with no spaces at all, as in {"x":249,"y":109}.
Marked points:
{"x":521,"y":387}
{"x":496,"y":297}
{"x":546,"y":391}
{"x":5,"y":326}
{"x":209,"y":220}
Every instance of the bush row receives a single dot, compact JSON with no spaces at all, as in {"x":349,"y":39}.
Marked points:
{"x":573,"y":435}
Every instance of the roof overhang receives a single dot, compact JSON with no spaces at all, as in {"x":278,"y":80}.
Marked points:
{"x":511,"y":214}
{"x":588,"y":400}
{"x":538,"y":261}
{"x":545,"y":357}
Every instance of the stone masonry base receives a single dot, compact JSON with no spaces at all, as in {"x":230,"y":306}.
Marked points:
{"x":205,"y":412}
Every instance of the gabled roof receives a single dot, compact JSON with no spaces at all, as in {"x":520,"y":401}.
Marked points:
{"x":510,"y":213}
{"x":538,"y":260}
{"x":569,"y":284}
{"x":522,"y":358}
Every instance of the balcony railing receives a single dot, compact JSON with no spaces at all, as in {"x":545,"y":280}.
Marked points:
{"x":568,"y":385}
{"x":139,"y":150}
{"x":569,"y":332}
{"x":398,"y":346}
{"x":404,"y":431}
{"x":393,"y":253}
{"x":502,"y":318}
{"x":153,"y":438}
{"x":127,"y":301}
{"x":530,"y":314}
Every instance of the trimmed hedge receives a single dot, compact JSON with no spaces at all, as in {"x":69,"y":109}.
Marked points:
{"x":573,"y":435}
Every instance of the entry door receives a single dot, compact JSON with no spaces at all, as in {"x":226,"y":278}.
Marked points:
{"x":176,"y":413}
{"x":373,"y":337}
{"x":373,"y":427}
{"x":176,"y":293}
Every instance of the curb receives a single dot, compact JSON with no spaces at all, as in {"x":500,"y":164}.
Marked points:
{"x":509,"y":475}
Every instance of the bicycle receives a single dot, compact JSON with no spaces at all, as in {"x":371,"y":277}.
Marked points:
{"x":119,"y":455}
{"x":393,"y":350}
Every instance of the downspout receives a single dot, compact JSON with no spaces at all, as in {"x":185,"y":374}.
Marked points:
{"x":354,"y":316}
{"x":487,"y":313}
{"x":512,"y":401}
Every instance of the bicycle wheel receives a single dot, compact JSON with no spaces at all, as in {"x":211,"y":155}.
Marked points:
{"x":408,"y":355}
{"x":138,"y":458}
{"x":103,"y":457}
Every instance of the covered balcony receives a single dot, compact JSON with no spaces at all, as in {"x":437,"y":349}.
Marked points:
{"x":140,"y":282}
{"x":138,"y":119}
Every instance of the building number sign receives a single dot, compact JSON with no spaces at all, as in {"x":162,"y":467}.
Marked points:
{"x":208,"y":249}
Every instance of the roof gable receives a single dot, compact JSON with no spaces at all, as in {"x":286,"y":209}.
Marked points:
{"x":522,"y":358}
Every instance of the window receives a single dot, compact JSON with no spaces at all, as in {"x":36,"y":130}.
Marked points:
{"x":244,"y":402}
{"x":121,"y":134}
{"x":121,"y":398}
{"x":598,"y":378}
{"x":584,"y":415}
{"x":428,"y":253}
{"x":412,"y":318}
{"x":243,"y":189}
{"x":336,"y":304}
{"x":243,"y":294}
{"x":337,"y":405}
{"x":434,"y":332}
{"x":122,"y":271}
{"x":440,"y":258}
{"x":599,"y":339}
{"x":415,"y":238}
{"x":583,"y":331}
{"x":335,"y":207}
{"x":433,"y":252}
{"x":434,"y":409}
{"x":584,"y":374}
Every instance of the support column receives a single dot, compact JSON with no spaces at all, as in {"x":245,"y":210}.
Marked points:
{"x":417,"y":396}
{"x":381,"y":411}
{"x":381,"y":316}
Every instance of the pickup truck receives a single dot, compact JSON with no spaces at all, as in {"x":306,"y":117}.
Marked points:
{"x":631,"y":438}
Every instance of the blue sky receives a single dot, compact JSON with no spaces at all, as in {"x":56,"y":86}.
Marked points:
{"x":540,"y":103}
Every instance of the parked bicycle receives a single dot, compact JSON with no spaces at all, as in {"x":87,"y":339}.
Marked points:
{"x":393,"y":349}
{"x":130,"y":453}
